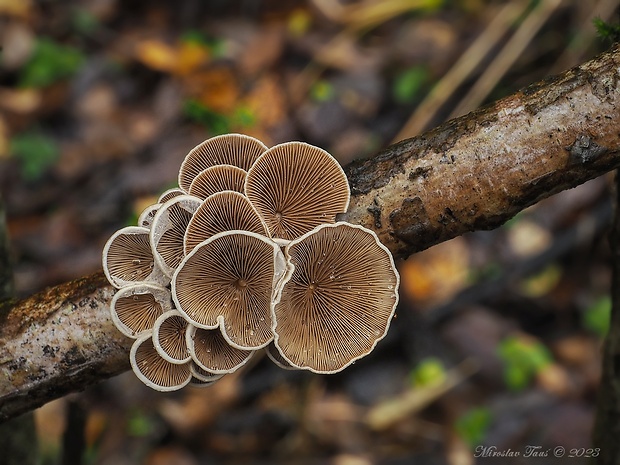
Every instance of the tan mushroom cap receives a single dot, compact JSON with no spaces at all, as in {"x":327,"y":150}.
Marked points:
{"x":154,"y":371}
{"x":217,"y":179}
{"x":296,"y":187}
{"x":169,"y":337}
{"x":223,"y":211}
{"x":211,"y":352}
{"x":127,"y":258}
{"x":170,"y":194}
{"x":339,"y":299}
{"x":227,"y":281}
{"x":203,"y":375}
{"x":135,"y":308}
{"x":276,"y":357}
{"x":146,"y":217}
{"x":168,"y":230}
{"x":228,"y":149}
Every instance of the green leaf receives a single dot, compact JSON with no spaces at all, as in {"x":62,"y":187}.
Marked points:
{"x":523,"y":359}
{"x":607,"y":31}
{"x":49,"y":63}
{"x":473,"y":425}
{"x":429,"y":372}
{"x":35,"y":152}
{"x":409,"y":83}
{"x":215,"y":122}
{"x":139,"y":424}
{"x":596,"y":317}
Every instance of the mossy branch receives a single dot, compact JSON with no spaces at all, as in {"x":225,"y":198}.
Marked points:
{"x":471,"y":173}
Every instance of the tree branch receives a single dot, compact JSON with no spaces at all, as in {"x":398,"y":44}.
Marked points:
{"x":471,"y":173}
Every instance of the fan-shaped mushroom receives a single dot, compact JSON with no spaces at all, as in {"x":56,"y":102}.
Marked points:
{"x":154,"y":371}
{"x":276,"y":357}
{"x":296,"y":187}
{"x":135,"y":308}
{"x":339,"y":299}
{"x":127,"y":258}
{"x":146,"y":217}
{"x":211,"y":352}
{"x":168,"y":231}
{"x":170,"y":194}
{"x":218,"y":178}
{"x":169,"y":337}
{"x":227,"y":281}
{"x":227,"y":149}
{"x":223,"y":211}
{"x":200,"y":377}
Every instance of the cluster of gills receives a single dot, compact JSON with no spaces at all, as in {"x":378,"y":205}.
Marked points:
{"x":246,"y":255}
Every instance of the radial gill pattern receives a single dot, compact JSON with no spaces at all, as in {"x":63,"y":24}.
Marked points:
{"x":134,"y":309}
{"x":169,"y":337}
{"x":223,"y":211}
{"x":339,"y":299}
{"x":153,"y":370}
{"x":213,"y":353}
{"x":296,"y":187}
{"x":217,"y":179}
{"x":227,"y":281}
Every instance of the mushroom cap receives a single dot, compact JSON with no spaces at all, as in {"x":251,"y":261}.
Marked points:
{"x":169,"y":337}
{"x":127,"y":258}
{"x":170,"y":194}
{"x":168,"y":231}
{"x":276,"y":357}
{"x":339,"y":299}
{"x":218,"y":178}
{"x":202,"y":375}
{"x":154,"y":371}
{"x":211,"y":352}
{"x":146,"y":217}
{"x":296,"y":187}
{"x":227,"y":281}
{"x":135,"y":308}
{"x":228,"y":149}
{"x":222,"y":211}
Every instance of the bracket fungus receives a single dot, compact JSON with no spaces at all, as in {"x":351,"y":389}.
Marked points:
{"x":227,"y":282}
{"x":296,"y":187}
{"x":127,"y":258}
{"x":135,"y":308}
{"x":337,"y":300}
{"x":245,"y":255}
{"x":155,"y":371}
{"x":223,"y":211}
{"x":228,"y":149}
{"x":218,"y":178}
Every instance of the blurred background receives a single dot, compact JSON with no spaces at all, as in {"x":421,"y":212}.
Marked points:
{"x":498,"y":334}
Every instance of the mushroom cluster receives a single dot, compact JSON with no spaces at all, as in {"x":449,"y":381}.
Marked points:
{"x":246,"y":255}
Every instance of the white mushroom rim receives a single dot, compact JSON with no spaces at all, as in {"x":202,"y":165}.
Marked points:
{"x":345,"y":293}
{"x":218,"y":291}
{"x":135,"y":308}
{"x":169,"y":337}
{"x":127,"y":258}
{"x":233,"y":358}
{"x":154,"y":371}
{"x":146,"y":217}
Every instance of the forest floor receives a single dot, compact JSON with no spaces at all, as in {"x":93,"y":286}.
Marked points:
{"x":497,"y":338}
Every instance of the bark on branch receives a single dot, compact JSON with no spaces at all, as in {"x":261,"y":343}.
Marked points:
{"x":471,"y":173}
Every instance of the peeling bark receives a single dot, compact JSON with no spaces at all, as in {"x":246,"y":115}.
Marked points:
{"x":471,"y":173}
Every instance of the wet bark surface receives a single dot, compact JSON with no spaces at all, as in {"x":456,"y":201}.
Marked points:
{"x":471,"y":173}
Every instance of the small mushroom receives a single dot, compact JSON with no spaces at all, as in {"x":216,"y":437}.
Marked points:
{"x":223,"y":211}
{"x":168,"y":231}
{"x":154,"y":371}
{"x":276,"y":357}
{"x":227,"y":282}
{"x":211,"y":352}
{"x":227,"y":149}
{"x":169,"y":337}
{"x":217,"y":179}
{"x":135,"y":308}
{"x":296,"y":187}
{"x":146,"y":217}
{"x":339,"y":299}
{"x":203,"y":375}
{"x":127,"y":258}
{"x":170,"y":194}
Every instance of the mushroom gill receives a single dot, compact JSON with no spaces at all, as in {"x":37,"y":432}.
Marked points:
{"x":168,"y":231}
{"x":154,"y":371}
{"x":296,"y":187}
{"x":339,"y":299}
{"x":227,"y":281}
{"x":212,"y":353}
{"x":217,"y":179}
{"x":223,"y":211}
{"x":169,"y":337}
{"x":146,"y":217}
{"x":228,"y":149}
{"x":135,"y":308}
{"x":127,"y":258}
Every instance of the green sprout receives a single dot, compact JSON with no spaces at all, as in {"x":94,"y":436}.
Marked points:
{"x":473,"y":425}
{"x":35,"y":152}
{"x":50,"y":62}
{"x":523,"y":359}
